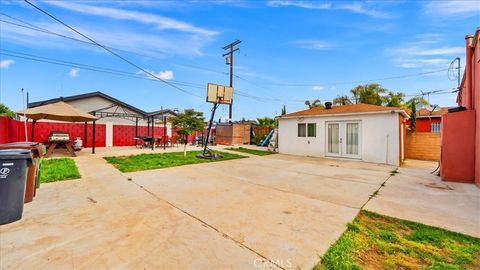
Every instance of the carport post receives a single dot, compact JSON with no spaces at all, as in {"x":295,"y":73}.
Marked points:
{"x":33,"y":129}
{"x":153,"y":133}
{"x":164,"y":132}
{"x":85,"y":134}
{"x":136,"y":130}
{"x":148,"y":126}
{"x":93,"y":135}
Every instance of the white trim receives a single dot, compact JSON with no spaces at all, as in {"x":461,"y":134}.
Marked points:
{"x":343,"y":114}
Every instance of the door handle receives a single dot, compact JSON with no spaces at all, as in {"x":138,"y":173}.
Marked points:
{"x":340,"y":140}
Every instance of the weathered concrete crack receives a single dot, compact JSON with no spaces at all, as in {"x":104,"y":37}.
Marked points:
{"x":208,"y":225}
{"x":376,"y":191}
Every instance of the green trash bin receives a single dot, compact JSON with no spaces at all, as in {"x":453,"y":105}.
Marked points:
{"x":13,"y":174}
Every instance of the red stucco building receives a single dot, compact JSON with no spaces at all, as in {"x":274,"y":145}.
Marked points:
{"x":428,"y":121}
{"x":460,"y":156}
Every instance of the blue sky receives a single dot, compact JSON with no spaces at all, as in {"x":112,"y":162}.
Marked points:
{"x":290,"y":51}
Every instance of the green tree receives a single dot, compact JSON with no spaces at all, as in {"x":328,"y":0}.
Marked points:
{"x":394,"y":99}
{"x":417,"y":100}
{"x":5,"y":111}
{"x":313,"y":103}
{"x":187,"y":123}
{"x":284,"y":110}
{"x":368,"y":94}
{"x":266,"y":122}
{"x":413,"y":115}
{"x":342,"y":100}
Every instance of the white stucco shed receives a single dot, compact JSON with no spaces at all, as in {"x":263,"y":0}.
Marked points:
{"x":361,"y":131}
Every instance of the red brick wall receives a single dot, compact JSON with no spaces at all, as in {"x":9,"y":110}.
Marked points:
{"x":423,"y":145}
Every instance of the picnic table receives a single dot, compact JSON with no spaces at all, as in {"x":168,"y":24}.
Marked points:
{"x":51,"y":146}
{"x":59,"y":139}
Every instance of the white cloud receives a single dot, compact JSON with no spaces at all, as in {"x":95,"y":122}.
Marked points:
{"x":144,"y":43}
{"x":161,"y":23}
{"x":421,"y":62}
{"x":453,"y":8}
{"x":164,"y":75}
{"x":300,"y":4}
{"x":74,"y":72}
{"x":424,"y":51}
{"x":360,"y":8}
{"x":6,"y":63}
{"x":318,"y":88}
{"x":364,"y":8}
{"x":313,"y":44}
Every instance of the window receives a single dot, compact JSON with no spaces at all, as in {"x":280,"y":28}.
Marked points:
{"x":436,"y":127}
{"x":311,"y":130}
{"x":302,"y":130}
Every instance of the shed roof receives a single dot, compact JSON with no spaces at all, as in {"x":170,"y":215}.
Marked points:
{"x":345,"y":109}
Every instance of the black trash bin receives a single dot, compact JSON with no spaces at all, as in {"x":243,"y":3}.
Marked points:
{"x":13,"y":174}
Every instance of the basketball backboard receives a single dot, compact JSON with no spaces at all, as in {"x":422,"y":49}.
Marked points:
{"x":219,"y":93}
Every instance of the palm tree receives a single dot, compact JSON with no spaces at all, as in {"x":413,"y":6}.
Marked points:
{"x":342,"y":100}
{"x":369,"y":94}
{"x":314,"y":103}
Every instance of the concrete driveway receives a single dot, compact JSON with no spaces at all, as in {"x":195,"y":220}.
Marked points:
{"x":259,"y":212}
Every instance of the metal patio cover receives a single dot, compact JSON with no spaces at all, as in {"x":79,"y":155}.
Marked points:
{"x":59,"y":111}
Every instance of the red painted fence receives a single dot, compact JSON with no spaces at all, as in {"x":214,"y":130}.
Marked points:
{"x":123,"y":135}
{"x":14,"y":131}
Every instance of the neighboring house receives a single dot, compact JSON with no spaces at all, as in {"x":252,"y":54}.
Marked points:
{"x":428,"y":120}
{"x":460,"y":159}
{"x":361,"y":131}
{"x":107,"y":108}
{"x":118,"y":118}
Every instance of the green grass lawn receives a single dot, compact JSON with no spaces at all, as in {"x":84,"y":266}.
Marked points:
{"x":252,"y":151}
{"x":373,"y":241}
{"x":143,"y":162}
{"x":58,"y":169}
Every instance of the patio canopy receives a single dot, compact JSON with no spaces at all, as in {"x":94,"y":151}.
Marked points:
{"x":59,"y":111}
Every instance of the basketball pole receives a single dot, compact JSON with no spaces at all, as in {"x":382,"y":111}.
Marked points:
{"x":231,"y":47}
{"x":215,"y":106}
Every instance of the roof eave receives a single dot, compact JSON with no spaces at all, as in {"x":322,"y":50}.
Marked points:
{"x":402,"y":112}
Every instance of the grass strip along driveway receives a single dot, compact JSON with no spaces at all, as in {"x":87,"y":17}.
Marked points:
{"x":143,"y":162}
{"x":374,"y":241}
{"x":58,"y":169}
{"x":252,"y":151}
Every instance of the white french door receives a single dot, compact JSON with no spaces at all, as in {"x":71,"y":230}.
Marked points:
{"x":344,"y":139}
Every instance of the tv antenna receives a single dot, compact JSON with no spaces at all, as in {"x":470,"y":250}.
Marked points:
{"x":454,"y":71}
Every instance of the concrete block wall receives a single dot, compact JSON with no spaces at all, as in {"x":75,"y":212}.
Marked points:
{"x":423,"y":145}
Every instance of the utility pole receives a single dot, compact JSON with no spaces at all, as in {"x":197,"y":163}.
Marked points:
{"x":229,"y":59}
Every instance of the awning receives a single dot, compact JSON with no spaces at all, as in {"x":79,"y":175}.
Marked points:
{"x":59,"y":111}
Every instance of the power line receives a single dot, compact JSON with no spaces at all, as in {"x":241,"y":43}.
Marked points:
{"x":121,"y":73}
{"x":36,"y":28}
{"x":115,"y":72}
{"x":89,"y":67}
{"x":46,"y":31}
{"x":112,"y":52}
{"x":109,"y":49}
